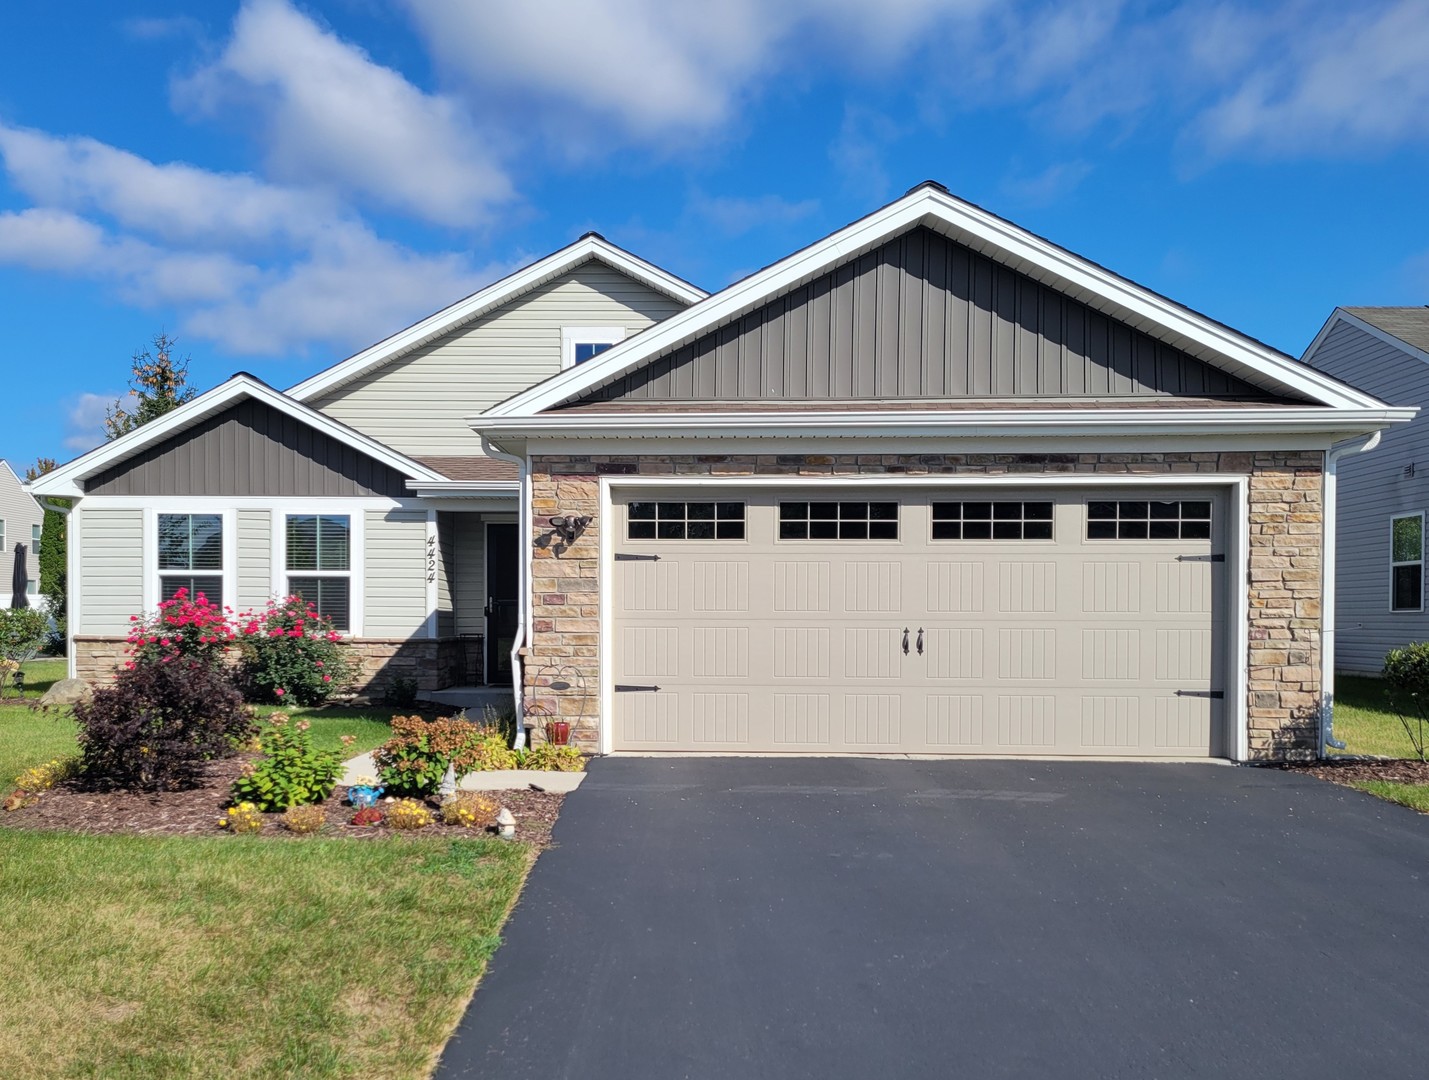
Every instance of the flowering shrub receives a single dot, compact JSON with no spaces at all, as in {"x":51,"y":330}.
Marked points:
{"x":243,"y":818}
{"x":409,"y":814}
{"x":368,"y":815}
{"x":291,"y":772}
{"x":157,"y":725}
{"x":305,"y":819}
{"x":292,"y":655}
{"x":43,"y":777}
{"x":549,"y":757}
{"x":415,"y":759}
{"x":470,"y":809}
{"x":184,"y":626}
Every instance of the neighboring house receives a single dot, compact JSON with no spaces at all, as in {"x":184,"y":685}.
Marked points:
{"x":21,"y":520}
{"x":931,"y":484}
{"x":1383,"y":496}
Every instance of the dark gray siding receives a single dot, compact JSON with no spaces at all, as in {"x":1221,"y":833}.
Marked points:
{"x":923,"y":317}
{"x":250,"y":449}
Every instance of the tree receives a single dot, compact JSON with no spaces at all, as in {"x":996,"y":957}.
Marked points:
{"x":159,"y":383}
{"x":39,"y":468}
{"x":54,"y":565}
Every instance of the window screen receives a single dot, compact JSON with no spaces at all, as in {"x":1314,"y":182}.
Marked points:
{"x":1407,"y":563}
{"x":319,"y":561}
{"x":191,"y":556}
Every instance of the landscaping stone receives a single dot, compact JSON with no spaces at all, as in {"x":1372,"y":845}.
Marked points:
{"x":67,"y":692}
{"x":495,"y":780}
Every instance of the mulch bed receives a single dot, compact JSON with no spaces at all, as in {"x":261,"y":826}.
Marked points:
{"x":70,"y":808}
{"x":1340,"y":771}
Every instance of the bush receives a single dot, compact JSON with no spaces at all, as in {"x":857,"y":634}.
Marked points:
{"x":291,"y":772}
{"x":1406,"y":671}
{"x":292,"y":655}
{"x":415,"y":759}
{"x":43,"y":777}
{"x":549,"y":757}
{"x":368,"y":815}
{"x":500,"y":719}
{"x":470,"y":809}
{"x":157,"y":725}
{"x":308,"y":818}
{"x":23,"y":632}
{"x":243,"y":818}
{"x":185,"y":626}
{"x":409,"y":814}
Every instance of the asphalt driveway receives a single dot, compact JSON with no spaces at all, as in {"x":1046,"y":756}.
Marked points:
{"x":829,"y":918}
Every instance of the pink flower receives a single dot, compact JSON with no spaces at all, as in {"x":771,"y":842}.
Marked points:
{"x":327,"y":678}
{"x":333,"y":635}
{"x":280,"y":691}
{"x":166,"y":643}
{"x":318,"y":664}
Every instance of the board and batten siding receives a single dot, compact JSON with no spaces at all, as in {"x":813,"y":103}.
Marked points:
{"x":254,"y":572}
{"x":395,"y":574}
{"x":922,"y":317}
{"x":416,"y":404}
{"x":470,"y":554}
{"x":1373,"y":488}
{"x":111,"y":569}
{"x":250,"y":448}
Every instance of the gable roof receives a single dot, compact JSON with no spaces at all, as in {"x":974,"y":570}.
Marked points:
{"x":67,"y":481}
{"x":931,"y":205}
{"x":1409,"y":324}
{"x":588,"y":247}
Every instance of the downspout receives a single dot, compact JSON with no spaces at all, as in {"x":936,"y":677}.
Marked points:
{"x":523,"y":620}
{"x":1327,"y":588}
{"x":71,"y":578}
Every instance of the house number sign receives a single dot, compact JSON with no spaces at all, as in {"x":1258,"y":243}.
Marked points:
{"x":431,"y":559}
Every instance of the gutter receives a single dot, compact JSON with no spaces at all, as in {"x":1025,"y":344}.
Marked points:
{"x":1327,"y":588}
{"x":523,"y":610}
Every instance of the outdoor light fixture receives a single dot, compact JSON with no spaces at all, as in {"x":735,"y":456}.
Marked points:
{"x":569,"y":527}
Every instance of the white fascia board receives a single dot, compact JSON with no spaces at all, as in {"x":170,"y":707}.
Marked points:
{"x":464,"y":489}
{"x":1114,"y":295}
{"x":984,"y":423}
{"x":1340,"y":315}
{"x":65,"y":482}
{"x":491,"y":298}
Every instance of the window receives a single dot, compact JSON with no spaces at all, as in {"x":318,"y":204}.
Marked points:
{"x":191,"y":556}
{"x":32,"y":587}
{"x":319,"y":564}
{"x":685,"y":521}
{"x":838,"y":521}
{"x":2,"y":534}
{"x":1141,"y":520}
{"x":35,"y":532}
{"x":992,"y":521}
{"x":1406,"y":560}
{"x":582,"y":343}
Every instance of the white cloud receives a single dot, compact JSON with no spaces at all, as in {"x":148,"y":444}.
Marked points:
{"x":1049,"y":185}
{"x":44,"y":239}
{"x":735,"y":215}
{"x":334,"y":117}
{"x":84,"y":418}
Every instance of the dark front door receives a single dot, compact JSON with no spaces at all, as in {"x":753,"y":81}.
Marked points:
{"x":503,"y":586}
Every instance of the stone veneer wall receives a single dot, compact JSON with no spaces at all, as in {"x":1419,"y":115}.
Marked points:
{"x":1286,"y":530}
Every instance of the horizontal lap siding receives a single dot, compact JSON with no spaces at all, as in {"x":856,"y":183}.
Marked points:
{"x":923,"y":317}
{"x":1373,"y":488}
{"x":255,"y":559}
{"x":469,"y":553}
{"x":111,"y":570}
{"x":19,"y":512}
{"x":446,"y":573}
{"x":417,"y":404}
{"x":395,"y":581}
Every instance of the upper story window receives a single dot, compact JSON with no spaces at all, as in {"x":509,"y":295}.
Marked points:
{"x":35,"y":533}
{"x":2,"y":536}
{"x":319,"y":564}
{"x":191,"y":556}
{"x":582,"y":343}
{"x":1406,"y":562}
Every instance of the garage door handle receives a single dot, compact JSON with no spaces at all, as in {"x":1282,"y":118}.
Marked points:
{"x":920,"y":641}
{"x":905,"y":641}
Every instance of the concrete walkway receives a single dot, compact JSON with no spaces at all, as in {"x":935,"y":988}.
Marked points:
{"x":503,"y":780}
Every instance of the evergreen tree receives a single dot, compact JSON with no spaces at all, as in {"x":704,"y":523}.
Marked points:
{"x":159,"y":383}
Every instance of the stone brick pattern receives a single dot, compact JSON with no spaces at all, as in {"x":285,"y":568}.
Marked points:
{"x":1286,"y":530}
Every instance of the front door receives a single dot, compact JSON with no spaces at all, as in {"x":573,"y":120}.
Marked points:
{"x":502,"y":600}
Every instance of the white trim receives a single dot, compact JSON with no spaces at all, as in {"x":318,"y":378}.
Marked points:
{"x":1340,"y":315}
{"x":571,"y":336}
{"x":228,"y":573}
{"x":469,"y":489}
{"x":74,"y":602}
{"x":1015,"y":247}
{"x":66,"y":481}
{"x":1395,"y":565}
{"x":356,"y":513}
{"x":493,"y":296}
{"x":207,"y":504}
{"x":433,"y":556}
{"x":1235,"y":715}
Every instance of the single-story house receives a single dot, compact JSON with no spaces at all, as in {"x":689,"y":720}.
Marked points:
{"x":21,"y":522}
{"x":930,"y":484}
{"x":1379,"y":530}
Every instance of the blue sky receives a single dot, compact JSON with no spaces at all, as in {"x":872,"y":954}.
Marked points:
{"x":278,"y":184}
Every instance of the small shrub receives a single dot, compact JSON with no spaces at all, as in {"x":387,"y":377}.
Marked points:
{"x":186,"y":626}
{"x":243,"y":818}
{"x":308,"y":818}
{"x":43,"y":777}
{"x":23,"y":631}
{"x":415,"y":759}
{"x":290,"y":772}
{"x":547,"y":757}
{"x":368,"y":815}
{"x":470,"y":809}
{"x":409,"y":814}
{"x":157,"y":725}
{"x":500,"y":719}
{"x":292,"y":655}
{"x":401,"y":693}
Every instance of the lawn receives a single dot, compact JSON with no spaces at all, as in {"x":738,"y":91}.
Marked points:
{"x":131,"y":956}
{"x":1370,"y":727}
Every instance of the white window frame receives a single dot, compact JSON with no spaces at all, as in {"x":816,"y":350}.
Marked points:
{"x":1395,"y":564}
{"x":2,"y":534}
{"x":228,"y":574}
{"x":36,"y":532}
{"x":571,"y":336}
{"x":356,"y":557}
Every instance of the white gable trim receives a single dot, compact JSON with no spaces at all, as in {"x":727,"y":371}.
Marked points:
{"x":66,"y":481}
{"x":1340,"y":315}
{"x":493,"y":296}
{"x":984,"y":232}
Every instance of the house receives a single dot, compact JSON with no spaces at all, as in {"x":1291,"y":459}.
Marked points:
{"x":21,"y":521}
{"x":1379,"y":534}
{"x":930,"y":484}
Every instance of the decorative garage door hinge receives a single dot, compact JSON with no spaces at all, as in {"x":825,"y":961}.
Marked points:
{"x":628,"y":688}
{"x":623,"y":557}
{"x":1200,"y":558}
{"x":1218,"y":695}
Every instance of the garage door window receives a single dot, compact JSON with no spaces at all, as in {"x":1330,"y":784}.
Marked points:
{"x":838,"y":521}
{"x":685,"y":521}
{"x":992,"y":521}
{"x":1407,"y":563}
{"x":1139,"y":520}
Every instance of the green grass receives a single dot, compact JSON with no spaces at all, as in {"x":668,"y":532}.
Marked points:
{"x":1365,"y":720}
{"x":1414,"y":796}
{"x":131,"y":956}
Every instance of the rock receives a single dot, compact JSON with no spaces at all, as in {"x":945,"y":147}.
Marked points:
{"x":67,"y":692}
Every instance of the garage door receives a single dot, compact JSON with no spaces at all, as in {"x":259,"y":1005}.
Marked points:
{"x":963,"y":621}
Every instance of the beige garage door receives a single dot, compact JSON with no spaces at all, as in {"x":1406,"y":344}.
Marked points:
{"x":964,"y":621}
